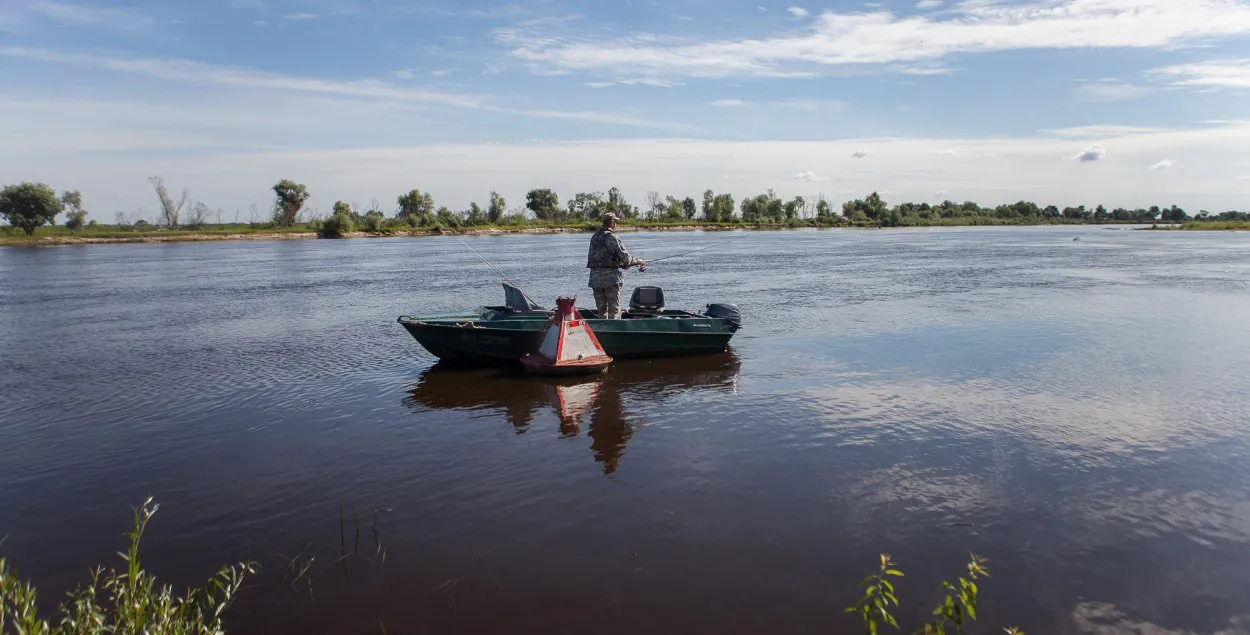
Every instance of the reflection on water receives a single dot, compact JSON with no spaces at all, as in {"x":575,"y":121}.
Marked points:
{"x":517,"y":395}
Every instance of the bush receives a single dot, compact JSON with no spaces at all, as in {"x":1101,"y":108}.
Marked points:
{"x":373,"y":222}
{"x":335,"y":226}
{"x":959,"y":602}
{"x":127,"y":601}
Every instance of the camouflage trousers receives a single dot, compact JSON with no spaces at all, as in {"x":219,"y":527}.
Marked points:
{"x":608,"y":301}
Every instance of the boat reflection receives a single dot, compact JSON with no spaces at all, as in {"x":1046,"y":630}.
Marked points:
{"x":519,"y":396}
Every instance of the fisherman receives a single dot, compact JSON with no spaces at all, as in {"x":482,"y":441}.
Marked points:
{"x":606,"y":260}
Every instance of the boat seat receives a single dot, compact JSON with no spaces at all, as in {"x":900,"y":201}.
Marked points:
{"x":516,"y":300}
{"x":646,"y":300}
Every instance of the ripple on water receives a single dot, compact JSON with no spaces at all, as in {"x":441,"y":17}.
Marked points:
{"x":1073,"y":410}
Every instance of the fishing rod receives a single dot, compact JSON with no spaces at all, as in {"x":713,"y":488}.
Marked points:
{"x":643,"y":268}
{"x":501,"y":274}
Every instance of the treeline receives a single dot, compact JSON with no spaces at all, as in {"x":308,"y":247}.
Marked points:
{"x":30,"y":205}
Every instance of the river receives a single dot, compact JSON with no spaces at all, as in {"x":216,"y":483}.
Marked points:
{"x":1075,"y":411}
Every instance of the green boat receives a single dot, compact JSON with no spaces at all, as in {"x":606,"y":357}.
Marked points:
{"x":502,"y":334}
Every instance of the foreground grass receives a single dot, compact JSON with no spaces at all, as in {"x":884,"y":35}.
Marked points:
{"x":126,"y":601}
{"x":130,"y":601}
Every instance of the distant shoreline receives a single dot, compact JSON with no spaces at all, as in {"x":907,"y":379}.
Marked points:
{"x":211,"y":235}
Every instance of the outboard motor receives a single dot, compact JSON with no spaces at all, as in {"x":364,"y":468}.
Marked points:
{"x":646,"y":301}
{"x":727,"y":312}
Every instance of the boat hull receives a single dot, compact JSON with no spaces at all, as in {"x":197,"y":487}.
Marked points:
{"x":475,"y":341}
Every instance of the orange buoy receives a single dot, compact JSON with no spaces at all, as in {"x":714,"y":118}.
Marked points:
{"x":569,"y":347}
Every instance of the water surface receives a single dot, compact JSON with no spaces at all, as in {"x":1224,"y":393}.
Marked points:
{"x":1074,"y":410}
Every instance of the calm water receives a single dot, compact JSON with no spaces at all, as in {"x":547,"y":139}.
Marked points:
{"x":1075,"y":411}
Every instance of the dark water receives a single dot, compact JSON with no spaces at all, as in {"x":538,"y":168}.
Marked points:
{"x":1075,"y":411}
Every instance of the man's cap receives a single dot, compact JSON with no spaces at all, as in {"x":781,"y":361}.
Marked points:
{"x":607,"y":216}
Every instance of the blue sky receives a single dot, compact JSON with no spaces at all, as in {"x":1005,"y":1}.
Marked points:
{"x":1123,"y":102}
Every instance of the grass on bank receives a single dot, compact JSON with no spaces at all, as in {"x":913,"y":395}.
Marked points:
{"x":1217,"y":225}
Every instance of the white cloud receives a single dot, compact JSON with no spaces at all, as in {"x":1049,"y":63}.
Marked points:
{"x":1162,"y":165}
{"x":1229,"y":72}
{"x":442,"y":72}
{"x":859,"y":154}
{"x":761,"y":8}
{"x":1244,"y":177}
{"x":110,"y":18}
{"x":1102,"y":130}
{"x":928,"y":4}
{"x":599,"y":84}
{"x":497,"y":13}
{"x":300,"y":16}
{"x":201,"y":74}
{"x":1092,"y":153}
{"x":406,"y":73}
{"x":883,"y":37}
{"x":727,"y":103}
{"x":798,"y":12}
{"x":260,"y":23}
{"x":1104,"y":92}
{"x":809,"y":177}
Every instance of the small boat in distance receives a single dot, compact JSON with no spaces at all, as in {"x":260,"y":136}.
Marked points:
{"x":502,"y":334}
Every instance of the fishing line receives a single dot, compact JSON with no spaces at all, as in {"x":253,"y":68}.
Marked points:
{"x":694,"y":251}
{"x":501,"y":274}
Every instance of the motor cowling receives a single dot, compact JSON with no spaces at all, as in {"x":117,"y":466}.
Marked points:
{"x":727,"y":312}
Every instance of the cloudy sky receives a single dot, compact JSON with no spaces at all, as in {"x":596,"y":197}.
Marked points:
{"x":1121,"y":102}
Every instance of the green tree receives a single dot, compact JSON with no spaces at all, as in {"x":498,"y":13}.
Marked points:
{"x":619,"y":206}
{"x":585,"y":206}
{"x":545,"y":205}
{"x":824,"y":213}
{"x":415,"y":208}
{"x":690,"y":208}
{"x":723,"y":208}
{"x":29,"y":205}
{"x":672,"y":209}
{"x":709,"y":201}
{"x":448,"y":218}
{"x":289,"y":200}
{"x":795,"y":207}
{"x":475,"y":215}
{"x":1175,"y":215}
{"x":338,"y":224}
{"x":75,"y":215}
{"x":498,"y":206}
{"x":755,"y":210}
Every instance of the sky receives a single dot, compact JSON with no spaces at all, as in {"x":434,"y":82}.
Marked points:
{"x":1119,"y":102}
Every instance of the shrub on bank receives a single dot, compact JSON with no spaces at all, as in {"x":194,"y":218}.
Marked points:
{"x":335,"y":226}
{"x":126,"y":601}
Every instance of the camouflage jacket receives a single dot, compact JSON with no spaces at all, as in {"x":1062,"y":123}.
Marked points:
{"x":606,"y":259}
